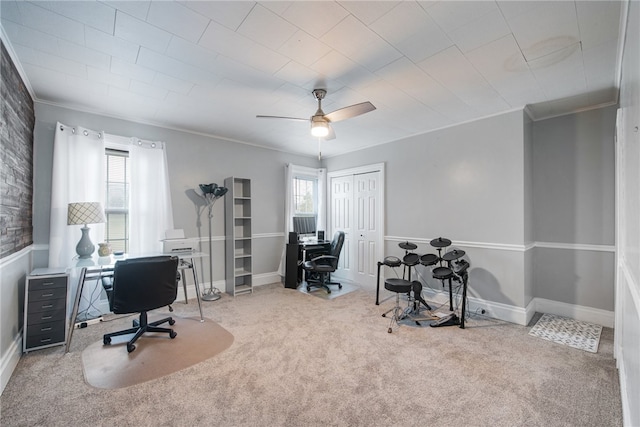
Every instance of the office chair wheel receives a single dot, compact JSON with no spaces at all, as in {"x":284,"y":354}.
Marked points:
{"x":389,"y":330}
{"x":173,"y":334}
{"x":339,"y":286}
{"x":172,"y":322}
{"x":328,"y":291}
{"x":308,"y":288}
{"x":130,"y":347}
{"x":106,"y":340}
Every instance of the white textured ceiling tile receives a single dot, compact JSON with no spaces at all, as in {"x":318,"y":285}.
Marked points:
{"x":303,"y":48}
{"x":138,"y":8}
{"x":51,"y":62}
{"x":596,"y":65}
{"x":93,"y":14}
{"x":598,"y":22}
{"x":86,"y":87}
{"x":43,"y":77}
{"x":316,"y":18}
{"x":172,"y":83}
{"x":511,"y":9}
{"x":191,"y":53}
{"x":368,"y":11}
{"x":172,"y":67}
{"x":83,"y":55}
{"x":498,"y":59}
{"x":147,"y":90}
{"x":9,"y":11}
{"x":233,"y":45}
{"x":249,"y":76}
{"x":452,"y":70}
{"x":483,"y":30}
{"x":296,"y":74}
{"x":404,"y":74}
{"x":266,"y":28}
{"x":105,"y":77}
{"x":111,"y":45}
{"x":29,"y":37}
{"x":262,"y":59}
{"x":177,"y":19}
{"x":335,"y":67}
{"x":228,"y":13}
{"x":131,"y":70}
{"x":450,"y":15}
{"x":51,"y":23}
{"x":139,"y":32}
{"x":421,"y":36}
{"x":547,"y":29}
{"x":356,"y":41}
{"x":561,"y":74}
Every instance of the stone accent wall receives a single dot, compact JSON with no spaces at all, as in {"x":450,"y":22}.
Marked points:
{"x":17,"y":120}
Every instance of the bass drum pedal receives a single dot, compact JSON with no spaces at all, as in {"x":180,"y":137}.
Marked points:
{"x":448,"y":320}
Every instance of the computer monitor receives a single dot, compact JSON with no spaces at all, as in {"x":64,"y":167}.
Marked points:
{"x":305,"y":226}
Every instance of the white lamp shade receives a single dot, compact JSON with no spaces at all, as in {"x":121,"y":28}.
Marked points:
{"x":85,"y":213}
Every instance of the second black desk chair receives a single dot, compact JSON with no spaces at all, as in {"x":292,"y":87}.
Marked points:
{"x":324,"y":265}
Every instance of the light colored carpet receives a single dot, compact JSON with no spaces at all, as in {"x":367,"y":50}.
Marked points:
{"x":299,"y":361}
{"x":563,"y":330}
{"x":156,"y":355}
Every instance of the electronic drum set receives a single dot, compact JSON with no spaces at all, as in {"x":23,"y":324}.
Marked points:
{"x":448,"y":268}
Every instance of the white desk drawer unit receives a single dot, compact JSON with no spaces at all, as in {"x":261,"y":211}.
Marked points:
{"x":45,"y":309}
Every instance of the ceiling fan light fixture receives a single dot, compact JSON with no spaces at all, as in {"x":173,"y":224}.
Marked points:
{"x":319,"y":127}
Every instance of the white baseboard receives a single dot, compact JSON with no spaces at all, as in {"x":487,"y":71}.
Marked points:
{"x":496,"y":310}
{"x":522,"y":316}
{"x":578,"y":312}
{"x":10,"y":361}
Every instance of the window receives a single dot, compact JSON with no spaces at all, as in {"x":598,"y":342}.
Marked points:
{"x":305,"y":196}
{"x":117,"y":199}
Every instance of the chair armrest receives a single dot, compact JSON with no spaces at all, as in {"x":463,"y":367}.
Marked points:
{"x":324,"y":259}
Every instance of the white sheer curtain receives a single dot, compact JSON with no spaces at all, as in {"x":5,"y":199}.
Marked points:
{"x":292,"y":171}
{"x":150,"y":207}
{"x":78,"y":175}
{"x":150,"y":210}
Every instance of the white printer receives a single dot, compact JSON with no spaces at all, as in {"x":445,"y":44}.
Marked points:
{"x":175,"y":242}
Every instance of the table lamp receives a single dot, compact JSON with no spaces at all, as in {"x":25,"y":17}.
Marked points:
{"x":85,"y":213}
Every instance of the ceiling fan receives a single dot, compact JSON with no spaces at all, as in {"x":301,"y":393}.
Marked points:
{"x":321,"y":122}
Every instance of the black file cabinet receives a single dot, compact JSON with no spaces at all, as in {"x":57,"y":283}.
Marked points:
{"x":45,"y":310}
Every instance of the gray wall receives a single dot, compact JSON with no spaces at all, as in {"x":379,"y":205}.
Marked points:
{"x":465,"y":183}
{"x":574,"y":205}
{"x":192,"y":159}
{"x":502,"y":188}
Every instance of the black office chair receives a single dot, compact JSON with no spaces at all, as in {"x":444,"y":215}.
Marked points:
{"x":324,"y":265}
{"x":140,"y":285}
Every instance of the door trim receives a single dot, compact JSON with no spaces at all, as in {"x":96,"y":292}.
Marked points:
{"x":376,"y":167}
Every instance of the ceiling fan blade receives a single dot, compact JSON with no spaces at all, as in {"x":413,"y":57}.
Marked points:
{"x":350,"y":111}
{"x":331,"y":135}
{"x":282,"y":117}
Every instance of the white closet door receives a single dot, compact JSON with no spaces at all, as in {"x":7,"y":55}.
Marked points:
{"x":355,"y":208}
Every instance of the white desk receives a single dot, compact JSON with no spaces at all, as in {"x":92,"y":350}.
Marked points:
{"x":96,"y":268}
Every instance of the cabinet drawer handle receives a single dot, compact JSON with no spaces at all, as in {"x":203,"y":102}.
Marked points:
{"x":44,"y":329}
{"x":47,"y":306}
{"x":47,"y":295}
{"x":45,"y":340}
{"x":46,"y":317}
{"x":47,"y":283}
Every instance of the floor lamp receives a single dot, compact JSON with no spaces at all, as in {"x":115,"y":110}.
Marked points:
{"x":211,"y":193}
